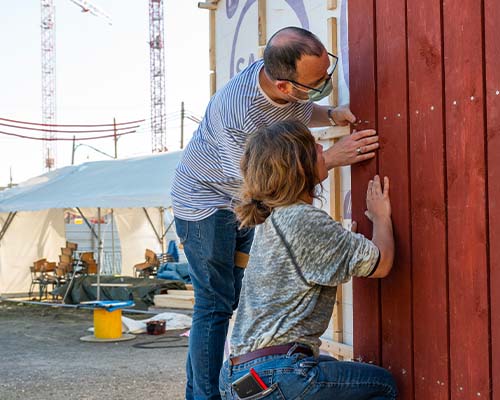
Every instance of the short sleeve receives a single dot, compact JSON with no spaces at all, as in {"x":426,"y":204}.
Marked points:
{"x":327,"y":253}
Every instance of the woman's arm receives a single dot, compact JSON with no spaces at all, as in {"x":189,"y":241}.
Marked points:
{"x":379,"y":212}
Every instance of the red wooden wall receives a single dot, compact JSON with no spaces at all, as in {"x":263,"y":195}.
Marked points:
{"x":426,"y":75}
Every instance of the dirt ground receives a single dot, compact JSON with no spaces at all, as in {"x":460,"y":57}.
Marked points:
{"x":42,"y":358}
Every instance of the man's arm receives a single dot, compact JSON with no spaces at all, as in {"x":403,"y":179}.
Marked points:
{"x":328,"y":115}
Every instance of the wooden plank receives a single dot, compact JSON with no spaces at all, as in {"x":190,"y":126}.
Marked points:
{"x":366,"y":294}
{"x":331,"y":4}
{"x":338,"y":317}
{"x":427,"y":175}
{"x":188,"y":293}
{"x":467,"y":233}
{"x":173,"y":301}
{"x":393,"y":162}
{"x":262,"y":22}
{"x":492,"y":58}
{"x":333,"y":48}
{"x":337,"y":349}
{"x":330,"y":132}
{"x":211,"y":52}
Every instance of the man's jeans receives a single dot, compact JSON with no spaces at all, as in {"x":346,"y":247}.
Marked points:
{"x":302,"y":377}
{"x":210,"y":246}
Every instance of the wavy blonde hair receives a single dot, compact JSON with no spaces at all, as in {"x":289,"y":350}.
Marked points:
{"x":278,"y":167}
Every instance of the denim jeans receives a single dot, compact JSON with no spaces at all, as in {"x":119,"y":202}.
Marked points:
{"x":302,"y":377}
{"x":210,"y":246}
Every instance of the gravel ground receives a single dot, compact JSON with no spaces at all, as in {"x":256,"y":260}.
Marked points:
{"x":42,"y":358}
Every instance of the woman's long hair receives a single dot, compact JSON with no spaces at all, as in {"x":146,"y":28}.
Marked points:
{"x":278,"y":167}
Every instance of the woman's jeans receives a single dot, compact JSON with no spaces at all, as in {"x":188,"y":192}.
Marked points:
{"x":303,"y":377}
{"x":210,"y":246}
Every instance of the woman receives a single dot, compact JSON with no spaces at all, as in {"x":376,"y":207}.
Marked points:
{"x":298,"y":258}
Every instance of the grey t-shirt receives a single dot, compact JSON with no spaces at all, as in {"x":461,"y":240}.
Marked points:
{"x":288,"y":295}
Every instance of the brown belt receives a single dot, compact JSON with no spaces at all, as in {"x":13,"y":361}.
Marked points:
{"x":270,"y":351}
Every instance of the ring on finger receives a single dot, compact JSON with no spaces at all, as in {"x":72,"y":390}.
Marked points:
{"x":358,"y":150}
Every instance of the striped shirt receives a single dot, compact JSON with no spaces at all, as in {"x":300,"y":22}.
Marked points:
{"x":208,"y":176}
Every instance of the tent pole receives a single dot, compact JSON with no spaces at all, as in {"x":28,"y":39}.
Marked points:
{"x":99,"y":251}
{"x":152,"y":225}
{"x":87,"y":222}
{"x":8,"y":221}
{"x":113,"y":237}
{"x":162,"y":224}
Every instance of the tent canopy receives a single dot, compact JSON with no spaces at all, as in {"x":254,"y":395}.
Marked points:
{"x":37,"y":230}
{"x":134,"y":182}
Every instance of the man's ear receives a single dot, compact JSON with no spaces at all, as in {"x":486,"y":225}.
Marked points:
{"x":283,"y":86}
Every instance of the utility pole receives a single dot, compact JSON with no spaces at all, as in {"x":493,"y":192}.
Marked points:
{"x":115,"y":138}
{"x":73,"y":151}
{"x":182,"y":125}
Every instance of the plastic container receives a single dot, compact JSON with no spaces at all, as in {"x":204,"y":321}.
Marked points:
{"x":107,"y":324}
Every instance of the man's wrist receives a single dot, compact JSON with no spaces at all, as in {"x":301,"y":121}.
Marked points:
{"x":329,"y":113}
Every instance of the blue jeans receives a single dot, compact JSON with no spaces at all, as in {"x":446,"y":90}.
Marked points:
{"x":210,"y":246}
{"x":302,"y":377}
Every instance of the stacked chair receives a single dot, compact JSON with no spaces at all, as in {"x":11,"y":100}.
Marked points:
{"x":43,"y":275}
{"x":149,"y":267}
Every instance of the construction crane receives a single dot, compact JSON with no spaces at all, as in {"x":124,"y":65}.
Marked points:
{"x":157,"y":73}
{"x":48,"y":41}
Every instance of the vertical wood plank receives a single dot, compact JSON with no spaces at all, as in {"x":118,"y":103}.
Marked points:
{"x":467,"y":234}
{"x":333,"y":48}
{"x":492,"y":58}
{"x":393,"y":162}
{"x":262,"y":22}
{"x":211,"y":52}
{"x":331,"y":4}
{"x":366,"y":292}
{"x":429,"y":258}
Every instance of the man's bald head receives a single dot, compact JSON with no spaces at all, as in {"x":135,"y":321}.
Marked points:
{"x":286,"y":47}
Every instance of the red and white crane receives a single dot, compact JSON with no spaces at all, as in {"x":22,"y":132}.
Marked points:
{"x":48,"y":42}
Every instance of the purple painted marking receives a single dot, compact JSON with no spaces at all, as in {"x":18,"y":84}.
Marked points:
{"x":231,"y":7}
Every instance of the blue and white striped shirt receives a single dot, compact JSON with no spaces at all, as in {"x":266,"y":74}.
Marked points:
{"x":208,"y":176}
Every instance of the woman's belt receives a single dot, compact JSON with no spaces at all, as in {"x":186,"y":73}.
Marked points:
{"x":270,"y":351}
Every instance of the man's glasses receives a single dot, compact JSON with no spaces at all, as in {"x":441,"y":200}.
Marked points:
{"x":330,"y":71}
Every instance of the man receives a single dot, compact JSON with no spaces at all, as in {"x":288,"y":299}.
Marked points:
{"x":296,"y":71}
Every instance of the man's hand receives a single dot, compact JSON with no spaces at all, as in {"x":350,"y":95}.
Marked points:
{"x":357,"y":147}
{"x":343,"y":116}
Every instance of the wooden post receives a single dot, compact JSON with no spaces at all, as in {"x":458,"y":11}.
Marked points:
{"x":212,"y":54}
{"x":333,"y":47}
{"x":262,"y":22}
{"x":331,"y":4}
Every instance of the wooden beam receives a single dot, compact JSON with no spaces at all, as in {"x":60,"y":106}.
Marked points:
{"x":331,"y":4}
{"x":212,"y":54}
{"x":333,"y":48}
{"x":207,"y":5}
{"x":330,"y":132}
{"x":337,"y":349}
{"x":262,"y":22}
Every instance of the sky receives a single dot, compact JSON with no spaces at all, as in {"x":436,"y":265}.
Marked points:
{"x":102,"y":73}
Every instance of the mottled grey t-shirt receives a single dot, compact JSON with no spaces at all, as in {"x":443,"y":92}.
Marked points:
{"x":288,"y":296}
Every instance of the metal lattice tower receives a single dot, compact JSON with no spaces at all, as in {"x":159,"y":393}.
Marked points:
{"x":157,"y":69}
{"x":48,"y":79}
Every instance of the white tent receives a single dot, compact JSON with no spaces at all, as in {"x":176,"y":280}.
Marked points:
{"x":32,"y":214}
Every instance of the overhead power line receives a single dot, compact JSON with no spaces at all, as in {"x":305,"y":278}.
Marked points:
{"x":67,"y":126}
{"x":64,"y":139}
{"x":64,"y":131}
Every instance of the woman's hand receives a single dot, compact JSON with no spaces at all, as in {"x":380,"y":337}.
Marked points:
{"x":378,"y":203}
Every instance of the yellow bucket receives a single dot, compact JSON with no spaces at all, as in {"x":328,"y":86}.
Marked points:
{"x":107,"y":324}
